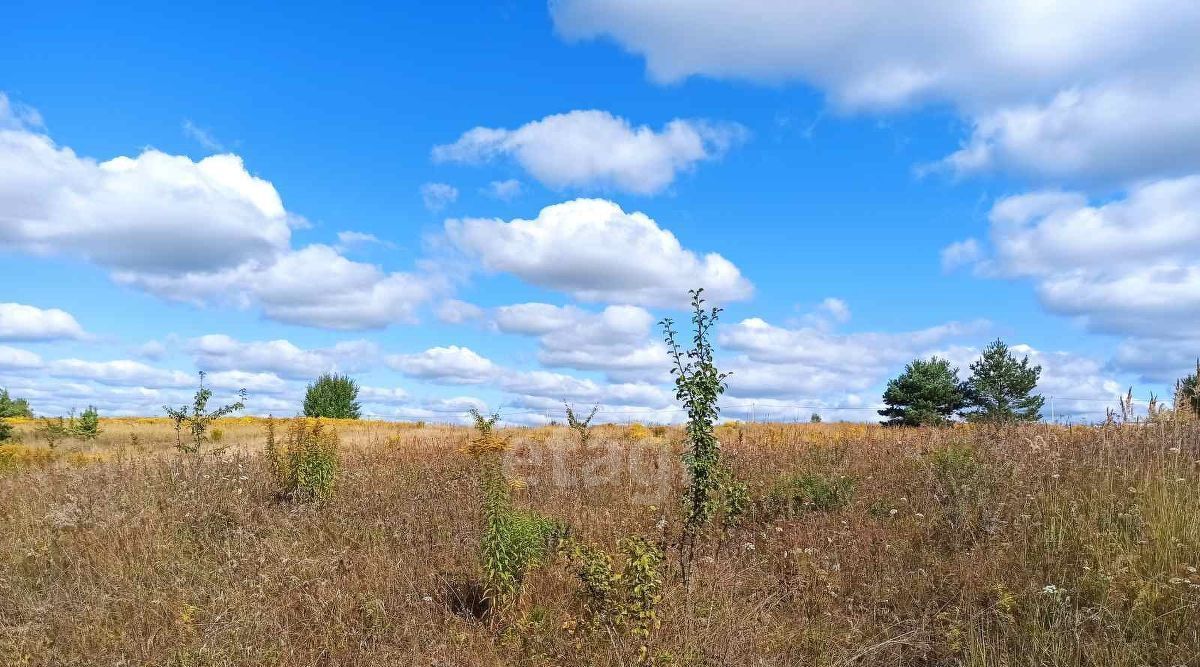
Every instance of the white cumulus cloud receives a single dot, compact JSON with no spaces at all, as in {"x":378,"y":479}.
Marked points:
{"x":22,"y":322}
{"x":595,"y":251}
{"x":205,"y":231}
{"x":1126,"y":265}
{"x":1054,"y":89}
{"x":597,"y":150}
{"x":446,"y":365}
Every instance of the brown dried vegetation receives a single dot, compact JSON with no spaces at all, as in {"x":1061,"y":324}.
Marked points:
{"x":1035,"y":545}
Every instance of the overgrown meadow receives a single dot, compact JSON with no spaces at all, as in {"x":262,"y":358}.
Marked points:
{"x":852,"y":545}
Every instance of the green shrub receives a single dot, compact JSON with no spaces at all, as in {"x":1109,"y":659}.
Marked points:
{"x":6,"y":430}
{"x":625,"y":600}
{"x":794,"y":495}
{"x":332,"y":396}
{"x":305,"y":462}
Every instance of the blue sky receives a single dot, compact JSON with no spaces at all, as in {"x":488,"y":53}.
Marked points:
{"x":493,"y":205}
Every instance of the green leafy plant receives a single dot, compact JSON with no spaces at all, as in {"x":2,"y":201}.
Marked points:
{"x":621,"y":600}
{"x":1000,"y":389}
{"x":698,"y":386}
{"x":197,"y":418}
{"x":305,"y":462}
{"x":927,"y":393}
{"x":6,"y":430}
{"x":332,"y":396}
{"x":514,"y":541}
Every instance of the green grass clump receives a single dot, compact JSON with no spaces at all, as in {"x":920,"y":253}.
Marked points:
{"x":794,"y":495}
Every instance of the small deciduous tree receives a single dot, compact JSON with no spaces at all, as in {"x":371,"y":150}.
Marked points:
{"x":332,"y":396}
{"x":1000,"y":389}
{"x":927,"y":393}
{"x":581,"y":428}
{"x":698,"y":386}
{"x":197,"y":417}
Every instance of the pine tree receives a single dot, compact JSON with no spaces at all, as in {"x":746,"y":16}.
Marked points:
{"x":87,"y":427}
{"x":1000,"y":388}
{"x":927,"y":393}
{"x":1187,"y":393}
{"x":332,"y":396}
{"x":13,"y":407}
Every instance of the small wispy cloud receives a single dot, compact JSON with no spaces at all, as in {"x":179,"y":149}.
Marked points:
{"x":438,"y":196}
{"x":202,"y":136}
{"x":351,"y":239}
{"x":504,"y":190}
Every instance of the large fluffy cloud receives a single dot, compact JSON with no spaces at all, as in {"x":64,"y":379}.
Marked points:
{"x":185,"y":215}
{"x":1078,"y":88}
{"x":1127,"y":265}
{"x":1158,"y":360}
{"x":198,"y":231}
{"x":595,"y":251}
{"x":596,"y":150}
{"x":28,"y":323}
{"x":873,"y":52}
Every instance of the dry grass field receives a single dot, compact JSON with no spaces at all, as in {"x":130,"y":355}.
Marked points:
{"x":861,"y":545}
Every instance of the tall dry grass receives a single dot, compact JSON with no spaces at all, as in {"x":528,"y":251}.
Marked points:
{"x":1031,"y":546}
